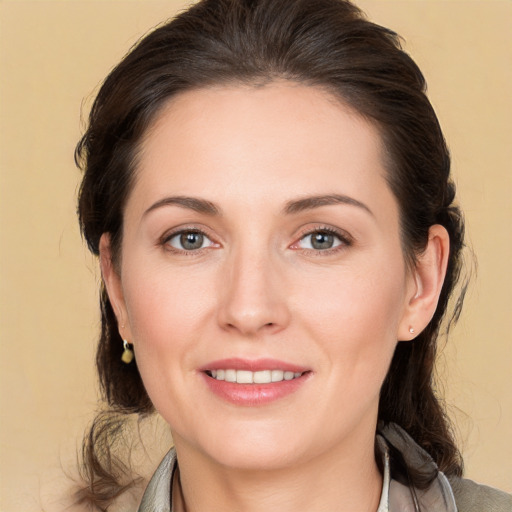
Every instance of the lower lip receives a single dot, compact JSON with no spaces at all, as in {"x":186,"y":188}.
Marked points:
{"x":253,"y":394}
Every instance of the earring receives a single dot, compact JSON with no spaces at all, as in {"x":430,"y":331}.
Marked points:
{"x":127,"y":356}
{"x":411,"y":330}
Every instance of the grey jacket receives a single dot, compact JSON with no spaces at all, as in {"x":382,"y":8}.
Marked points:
{"x":443,"y":495}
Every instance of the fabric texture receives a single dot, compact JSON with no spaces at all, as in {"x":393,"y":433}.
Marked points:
{"x":443,"y":494}
{"x":473,"y":497}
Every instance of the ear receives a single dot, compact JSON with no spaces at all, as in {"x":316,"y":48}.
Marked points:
{"x":426,"y":282}
{"x":112,"y":283}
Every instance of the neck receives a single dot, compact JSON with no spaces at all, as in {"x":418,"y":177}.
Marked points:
{"x":344,"y":479}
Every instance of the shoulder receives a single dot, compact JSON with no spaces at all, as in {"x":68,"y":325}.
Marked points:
{"x":473,"y":497}
{"x":456,"y":493}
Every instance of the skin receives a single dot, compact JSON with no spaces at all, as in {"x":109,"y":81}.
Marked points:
{"x":259,"y":289}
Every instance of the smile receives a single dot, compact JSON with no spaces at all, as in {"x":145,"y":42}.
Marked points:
{"x":254,"y":382}
{"x":249,"y":377}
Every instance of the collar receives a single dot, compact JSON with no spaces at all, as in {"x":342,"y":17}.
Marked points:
{"x":402,"y":497}
{"x":395,"y":496}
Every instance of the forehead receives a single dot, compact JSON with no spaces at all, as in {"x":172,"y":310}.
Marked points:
{"x":259,"y":143}
{"x":283,"y":111}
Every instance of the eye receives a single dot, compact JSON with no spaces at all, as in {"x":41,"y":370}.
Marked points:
{"x":189,"y":240}
{"x":321,"y":240}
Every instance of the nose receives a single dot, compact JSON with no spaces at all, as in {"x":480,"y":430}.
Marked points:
{"x":253,"y":295}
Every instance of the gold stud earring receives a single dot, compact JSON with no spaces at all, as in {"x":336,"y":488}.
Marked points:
{"x":128,"y":355}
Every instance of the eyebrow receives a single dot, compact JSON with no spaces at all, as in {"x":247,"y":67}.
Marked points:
{"x":311,"y":202}
{"x":191,"y":203}
{"x":291,"y":207}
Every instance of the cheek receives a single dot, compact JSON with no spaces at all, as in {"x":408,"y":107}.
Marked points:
{"x":166,"y":311}
{"x":366,"y":300}
{"x":355,"y":318}
{"x":167,"y":314}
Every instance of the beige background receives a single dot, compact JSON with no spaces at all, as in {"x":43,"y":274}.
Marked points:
{"x":53,"y":55}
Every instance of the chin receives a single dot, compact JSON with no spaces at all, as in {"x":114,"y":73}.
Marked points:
{"x":254,"y":457}
{"x":256,"y":448}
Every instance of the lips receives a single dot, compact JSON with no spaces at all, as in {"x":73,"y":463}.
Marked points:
{"x":252,"y":383}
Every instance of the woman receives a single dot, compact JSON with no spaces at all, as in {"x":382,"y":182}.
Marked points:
{"x":267,"y":188}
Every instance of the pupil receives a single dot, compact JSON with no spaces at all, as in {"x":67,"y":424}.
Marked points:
{"x":191,"y":241}
{"x":322,"y":241}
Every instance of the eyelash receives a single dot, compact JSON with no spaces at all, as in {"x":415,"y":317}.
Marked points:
{"x":165,"y":241}
{"x":344,"y":239}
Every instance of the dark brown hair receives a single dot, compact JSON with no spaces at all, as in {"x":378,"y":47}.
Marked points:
{"x":322,"y":43}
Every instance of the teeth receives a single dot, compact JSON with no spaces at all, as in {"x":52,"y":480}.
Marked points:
{"x":230,"y":376}
{"x":263,"y":377}
{"x":248,"y":377}
{"x":244,"y":377}
{"x":277,"y":375}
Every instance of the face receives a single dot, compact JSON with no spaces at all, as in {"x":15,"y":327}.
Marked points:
{"x":262,"y":279}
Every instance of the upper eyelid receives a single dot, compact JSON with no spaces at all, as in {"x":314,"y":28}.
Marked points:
{"x":340,"y":233}
{"x":174,"y":234}
{"x":185,"y":229}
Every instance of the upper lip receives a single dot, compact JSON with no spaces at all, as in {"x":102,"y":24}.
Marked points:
{"x":253,"y":365}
